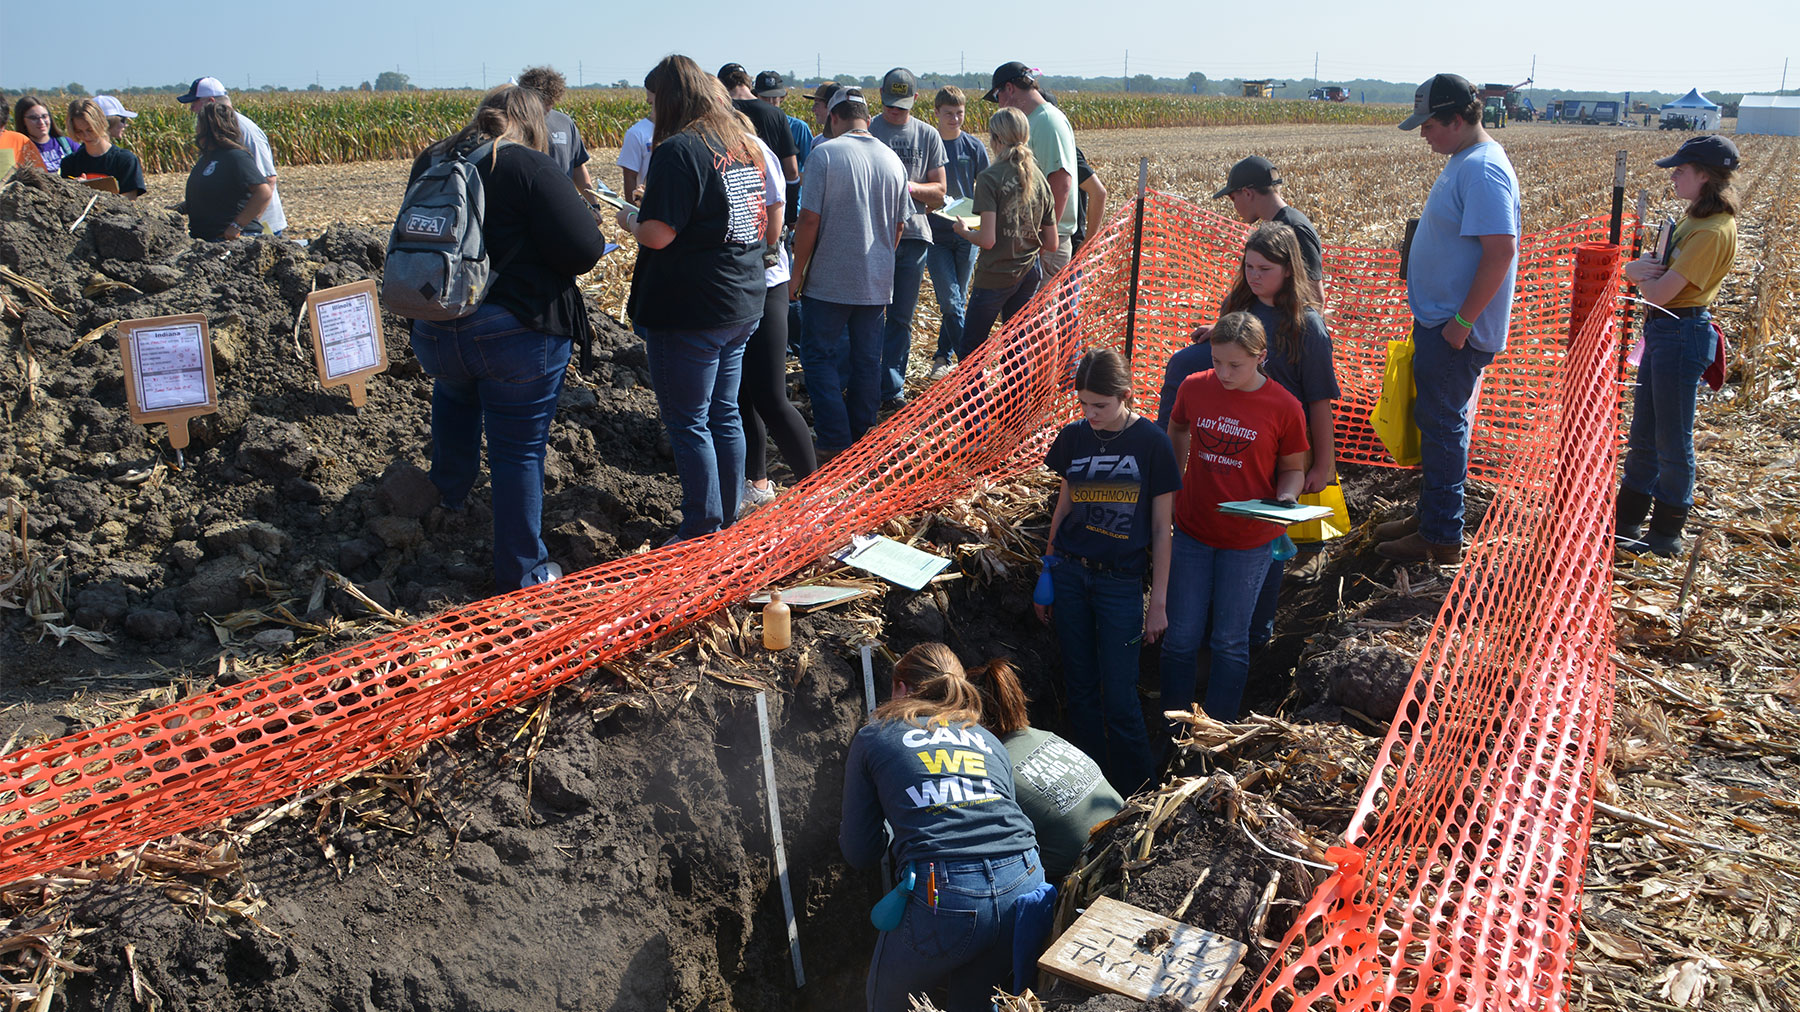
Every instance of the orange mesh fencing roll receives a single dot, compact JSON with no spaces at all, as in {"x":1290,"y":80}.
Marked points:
{"x":1596,"y":281}
{"x":271,"y":737}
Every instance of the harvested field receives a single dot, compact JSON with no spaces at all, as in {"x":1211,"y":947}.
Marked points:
{"x":606,"y":849}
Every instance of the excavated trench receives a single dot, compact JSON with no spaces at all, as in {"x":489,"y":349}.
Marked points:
{"x":608,"y":849}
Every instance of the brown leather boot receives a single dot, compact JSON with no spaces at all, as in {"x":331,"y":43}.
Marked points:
{"x":1414,"y":548}
{"x":1394,"y":530}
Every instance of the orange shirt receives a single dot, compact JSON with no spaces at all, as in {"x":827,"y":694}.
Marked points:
{"x":23,"y":151}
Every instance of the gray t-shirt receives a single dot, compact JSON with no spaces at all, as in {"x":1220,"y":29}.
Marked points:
{"x":920,"y":150}
{"x":1063,"y":794}
{"x":566,"y":147}
{"x":857,"y":187}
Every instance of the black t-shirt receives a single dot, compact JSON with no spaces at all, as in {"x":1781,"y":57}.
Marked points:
{"x":1083,"y":172}
{"x":118,"y":163}
{"x":711,"y":275}
{"x":771,"y":125}
{"x":218,"y":187}
{"x":1313,"y":379}
{"x":1310,"y":248}
{"x":541,"y":236}
{"x":1112,"y":484}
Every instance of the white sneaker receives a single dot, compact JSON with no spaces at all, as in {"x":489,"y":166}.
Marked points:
{"x":548,"y":572}
{"x":753,"y":497}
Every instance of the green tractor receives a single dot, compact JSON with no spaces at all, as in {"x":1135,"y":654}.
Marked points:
{"x":1493,"y":112}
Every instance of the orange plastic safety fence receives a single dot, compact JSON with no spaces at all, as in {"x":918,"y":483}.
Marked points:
{"x":1191,"y":258}
{"x":1461,"y":888}
{"x":234,"y":748}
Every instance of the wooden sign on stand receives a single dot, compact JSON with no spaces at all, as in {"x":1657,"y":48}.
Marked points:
{"x":168,"y":372}
{"x":1122,"y":949}
{"x":347,"y":344}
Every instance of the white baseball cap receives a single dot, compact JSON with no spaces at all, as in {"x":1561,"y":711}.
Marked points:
{"x":110,"y":106}
{"x":204,"y":87}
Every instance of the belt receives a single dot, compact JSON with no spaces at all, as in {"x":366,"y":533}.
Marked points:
{"x":1106,"y":568}
{"x":1687,"y":311}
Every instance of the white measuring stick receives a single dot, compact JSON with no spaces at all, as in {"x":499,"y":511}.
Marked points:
{"x":781,"y":869}
{"x":868,"y":659}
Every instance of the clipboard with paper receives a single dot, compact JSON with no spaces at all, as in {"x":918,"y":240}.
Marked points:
{"x":607,"y":195}
{"x":1275,"y":511}
{"x":891,"y":560}
{"x":961,"y":209}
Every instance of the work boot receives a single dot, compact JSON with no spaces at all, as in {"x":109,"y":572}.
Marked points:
{"x":1394,"y":530}
{"x":1666,"y":523}
{"x":1631,"y":510}
{"x":1414,"y":548}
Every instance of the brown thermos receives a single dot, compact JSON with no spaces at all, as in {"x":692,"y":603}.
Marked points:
{"x":778,"y":631}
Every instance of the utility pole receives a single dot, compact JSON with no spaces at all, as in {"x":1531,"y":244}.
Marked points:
{"x":1127,"y":70}
{"x":578,"y":72}
{"x":818,"y":67}
{"x":962,"y":62}
{"x":1784,"y":64}
{"x":1315,"y":67}
{"x":484,"y":77}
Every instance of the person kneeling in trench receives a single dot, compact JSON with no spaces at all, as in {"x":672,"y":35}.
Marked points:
{"x":926,"y":765}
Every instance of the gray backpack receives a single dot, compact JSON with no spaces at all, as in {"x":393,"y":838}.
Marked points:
{"x":437,"y":257}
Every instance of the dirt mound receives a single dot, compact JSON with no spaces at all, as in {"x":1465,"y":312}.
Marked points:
{"x":286,"y":480}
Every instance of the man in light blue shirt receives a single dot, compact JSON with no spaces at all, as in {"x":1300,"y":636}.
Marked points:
{"x":1462,"y":264}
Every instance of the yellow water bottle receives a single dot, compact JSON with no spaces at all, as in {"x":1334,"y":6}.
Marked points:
{"x":778,"y":631}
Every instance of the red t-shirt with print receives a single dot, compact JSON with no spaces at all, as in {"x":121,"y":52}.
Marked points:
{"x":1234,"y":439}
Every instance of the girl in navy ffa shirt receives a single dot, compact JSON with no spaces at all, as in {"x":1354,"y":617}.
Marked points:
{"x":1111,"y":527}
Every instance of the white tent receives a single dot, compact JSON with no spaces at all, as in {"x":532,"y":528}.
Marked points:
{"x":1769,"y":114}
{"x":1694,"y":109}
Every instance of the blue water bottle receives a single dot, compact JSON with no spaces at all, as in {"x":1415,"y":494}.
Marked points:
{"x":1045,"y":594}
{"x":1282,"y":548}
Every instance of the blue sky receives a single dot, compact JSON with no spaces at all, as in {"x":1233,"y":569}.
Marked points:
{"x":447,"y":42}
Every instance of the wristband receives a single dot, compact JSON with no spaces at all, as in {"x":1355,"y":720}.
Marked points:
{"x":1465,"y":324}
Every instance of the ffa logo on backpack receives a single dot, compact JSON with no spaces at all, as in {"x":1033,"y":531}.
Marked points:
{"x":420,"y":225}
{"x":437,"y":258}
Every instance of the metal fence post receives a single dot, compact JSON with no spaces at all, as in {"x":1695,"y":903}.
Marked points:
{"x":1137,"y":253}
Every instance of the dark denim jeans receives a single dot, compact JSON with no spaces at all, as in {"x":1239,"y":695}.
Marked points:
{"x":828,"y":328}
{"x":989,"y":304}
{"x":696,"y":375}
{"x":964,"y":943}
{"x":896,"y":333}
{"x":950,"y":262}
{"x":1099,"y":620}
{"x":1262,"y":621}
{"x":1445,"y":378}
{"x":1220,"y":585}
{"x":1659,"y":454}
{"x":491,"y":371}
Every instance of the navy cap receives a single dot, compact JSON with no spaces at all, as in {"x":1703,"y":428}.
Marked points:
{"x":769,"y":85}
{"x":1710,"y":149}
{"x":1004,"y":75}
{"x":1253,"y":171}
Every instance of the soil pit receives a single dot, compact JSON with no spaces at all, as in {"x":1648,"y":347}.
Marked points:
{"x":607,"y":849}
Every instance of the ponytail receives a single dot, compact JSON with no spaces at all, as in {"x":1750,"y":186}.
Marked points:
{"x":1003,"y":700}
{"x":1012,"y":135}
{"x":938,"y":691}
{"x":1717,"y":195}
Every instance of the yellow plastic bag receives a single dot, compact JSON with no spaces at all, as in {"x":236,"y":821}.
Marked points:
{"x":1392,"y":417}
{"x":1325,"y":528}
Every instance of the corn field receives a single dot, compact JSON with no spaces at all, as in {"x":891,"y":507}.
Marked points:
{"x":326,"y":128}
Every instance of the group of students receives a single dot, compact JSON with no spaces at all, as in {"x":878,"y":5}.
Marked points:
{"x":230,"y":188}
{"x":1248,"y":415}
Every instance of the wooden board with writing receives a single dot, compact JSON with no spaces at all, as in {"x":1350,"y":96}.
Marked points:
{"x":168,"y":371}
{"x":347,"y":343}
{"x":1122,"y":949}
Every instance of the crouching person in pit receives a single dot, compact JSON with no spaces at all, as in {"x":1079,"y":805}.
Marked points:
{"x":926,"y":765}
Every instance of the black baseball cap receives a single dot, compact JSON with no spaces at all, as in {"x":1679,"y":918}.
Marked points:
{"x":1442,"y":93}
{"x":1253,"y":171}
{"x":1004,"y":75}
{"x":899,"y":88}
{"x":1711,"y":149}
{"x":823,"y":92}
{"x":769,"y":85}
{"x":731,"y":70}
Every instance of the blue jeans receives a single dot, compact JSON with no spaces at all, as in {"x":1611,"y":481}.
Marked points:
{"x":1446,"y":379}
{"x":828,"y":329}
{"x":989,"y":304}
{"x":1219,"y":584}
{"x":950,"y":262}
{"x":1659,"y":454}
{"x":896,"y":334}
{"x":696,"y":375}
{"x":1262,"y":621}
{"x":491,"y":371}
{"x":964,"y":943}
{"x":1099,"y":620}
